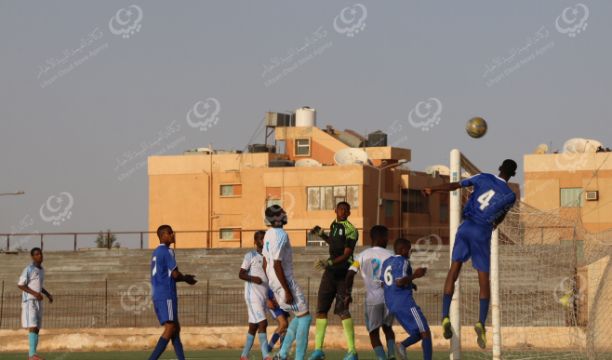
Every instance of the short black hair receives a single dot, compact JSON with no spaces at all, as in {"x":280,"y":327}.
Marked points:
{"x":259,"y":234}
{"x":400,"y":243}
{"x":163,"y":228}
{"x":378,"y":231}
{"x":343,"y":203}
{"x":508,"y":167}
{"x":35,"y":250}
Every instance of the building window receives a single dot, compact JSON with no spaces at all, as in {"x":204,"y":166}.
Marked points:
{"x":388,"y":204}
{"x":326,"y":197}
{"x":229,"y":234}
{"x":414,"y":202}
{"x":571,"y":197}
{"x":231,"y":190}
{"x":302,"y":147}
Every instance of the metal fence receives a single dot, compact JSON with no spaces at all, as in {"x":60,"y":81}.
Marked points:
{"x":96,"y":306}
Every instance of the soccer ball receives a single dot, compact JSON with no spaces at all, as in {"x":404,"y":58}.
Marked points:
{"x":476,"y":127}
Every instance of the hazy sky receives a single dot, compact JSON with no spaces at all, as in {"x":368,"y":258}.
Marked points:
{"x":81,"y":106}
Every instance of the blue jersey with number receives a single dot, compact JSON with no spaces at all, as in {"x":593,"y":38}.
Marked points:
{"x":491,"y":198}
{"x":396,"y":267}
{"x":162,"y":283}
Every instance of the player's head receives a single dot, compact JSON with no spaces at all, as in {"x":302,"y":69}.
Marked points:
{"x":165,"y":234}
{"x":507,"y":169}
{"x":402,"y":247}
{"x":37,"y":255}
{"x":379,"y":235}
{"x":343,"y":210}
{"x":276,"y":216}
{"x":258,"y":239}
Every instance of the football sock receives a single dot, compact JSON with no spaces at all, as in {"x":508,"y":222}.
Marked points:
{"x":248,"y":345}
{"x":273,"y":341}
{"x":380,"y":353}
{"x":289,"y":337}
{"x":446,"y":303}
{"x":484,"y":310}
{"x":321,"y":326}
{"x":178,"y":347}
{"x":391,"y":347}
{"x":412,"y":339}
{"x":427,"y":348}
{"x":159,"y":348}
{"x":263,"y":344}
{"x":349,"y":333}
{"x":301,"y":339}
{"x":33,"y":337}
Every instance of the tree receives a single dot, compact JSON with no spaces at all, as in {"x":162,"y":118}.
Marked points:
{"x":107,"y":240}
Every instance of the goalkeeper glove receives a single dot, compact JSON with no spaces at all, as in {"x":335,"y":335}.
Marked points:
{"x":323,"y":264}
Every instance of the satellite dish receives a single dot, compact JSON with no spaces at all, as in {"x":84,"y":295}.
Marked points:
{"x":580,"y":145}
{"x":350,"y":156}
{"x":440,"y":169}
{"x":541,"y":149}
{"x":307,"y":163}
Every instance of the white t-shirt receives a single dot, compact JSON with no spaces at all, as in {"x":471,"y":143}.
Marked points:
{"x":253,"y":264}
{"x":32,"y":277}
{"x":278,"y":247}
{"x":369,"y":264}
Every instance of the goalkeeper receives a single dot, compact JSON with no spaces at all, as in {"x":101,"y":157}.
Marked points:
{"x":341,"y":239}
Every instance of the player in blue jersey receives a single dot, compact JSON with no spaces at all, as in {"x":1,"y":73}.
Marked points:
{"x":397,"y":277}
{"x":486,"y":208}
{"x":164,"y":276}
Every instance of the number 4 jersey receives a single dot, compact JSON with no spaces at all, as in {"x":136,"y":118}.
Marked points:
{"x":491,"y":198}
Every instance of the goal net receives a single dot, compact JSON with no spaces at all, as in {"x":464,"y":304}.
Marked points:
{"x":551,"y":284}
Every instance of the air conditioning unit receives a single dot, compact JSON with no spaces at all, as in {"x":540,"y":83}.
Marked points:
{"x":592,"y":195}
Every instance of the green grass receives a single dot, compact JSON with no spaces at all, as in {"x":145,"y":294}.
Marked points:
{"x":235,"y":354}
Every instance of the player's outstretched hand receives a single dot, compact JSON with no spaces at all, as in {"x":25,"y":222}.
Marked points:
{"x":418,"y":273}
{"x":190,"y":279}
{"x":426,"y":192}
{"x":288,"y":298}
{"x":257,"y":280}
{"x":315,"y":230}
{"x":414,"y":286}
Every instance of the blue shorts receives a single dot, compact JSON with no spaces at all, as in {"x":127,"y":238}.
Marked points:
{"x":473,"y":240}
{"x":277,"y":311}
{"x":412,"y":319}
{"x":166,"y":310}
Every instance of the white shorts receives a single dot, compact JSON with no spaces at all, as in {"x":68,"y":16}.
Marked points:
{"x":299,"y":306}
{"x":256,"y":303}
{"x":377,"y":316}
{"x":31,"y":314}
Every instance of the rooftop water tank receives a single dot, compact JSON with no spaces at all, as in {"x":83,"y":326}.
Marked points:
{"x":305,"y":117}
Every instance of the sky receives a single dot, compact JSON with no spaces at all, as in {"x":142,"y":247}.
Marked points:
{"x":90,"y":89}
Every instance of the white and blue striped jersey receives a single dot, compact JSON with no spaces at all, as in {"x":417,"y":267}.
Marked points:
{"x":253,"y":264}
{"x":278,"y":247}
{"x":369,"y":264}
{"x":32,"y":277}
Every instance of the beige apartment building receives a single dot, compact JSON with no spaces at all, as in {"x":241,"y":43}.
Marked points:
{"x":217,"y":198}
{"x":575,"y":186}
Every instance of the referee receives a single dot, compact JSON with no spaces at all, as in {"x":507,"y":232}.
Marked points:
{"x":341,"y":239}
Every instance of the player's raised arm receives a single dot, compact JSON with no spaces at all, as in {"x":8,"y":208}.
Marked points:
{"x":442,"y":187}
{"x":320,"y":233}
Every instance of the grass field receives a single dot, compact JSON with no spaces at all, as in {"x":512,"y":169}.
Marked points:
{"x":235,"y":354}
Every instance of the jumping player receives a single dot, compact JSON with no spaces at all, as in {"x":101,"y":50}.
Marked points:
{"x":31,"y":283}
{"x":255,"y":296}
{"x":369,"y":264}
{"x":486,"y":208}
{"x":278,"y":266}
{"x":164,"y":276}
{"x":341,"y":239}
{"x":281,"y":317}
{"x":398,"y":279}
